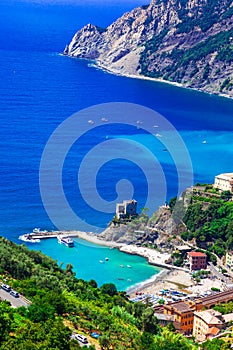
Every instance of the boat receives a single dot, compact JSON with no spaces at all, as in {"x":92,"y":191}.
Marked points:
{"x":101,"y":261}
{"x":38,"y":230}
{"x":106,"y":259}
{"x":29,"y":238}
{"x":121,"y":265}
{"x":91,"y":122}
{"x":129,"y":266}
{"x":66,"y":240}
{"x":104,"y":119}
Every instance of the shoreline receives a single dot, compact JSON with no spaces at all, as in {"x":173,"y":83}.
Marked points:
{"x":97,"y":65}
{"x":168,"y":277}
{"x":142,"y":286}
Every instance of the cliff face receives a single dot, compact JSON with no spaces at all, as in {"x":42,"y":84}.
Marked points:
{"x":184,"y":41}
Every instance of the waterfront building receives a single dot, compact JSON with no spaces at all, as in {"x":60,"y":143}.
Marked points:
{"x":197,"y":261}
{"x":127,"y":208}
{"x":224,"y":182}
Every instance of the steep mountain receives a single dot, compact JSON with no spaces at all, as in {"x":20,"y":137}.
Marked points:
{"x":184,"y":41}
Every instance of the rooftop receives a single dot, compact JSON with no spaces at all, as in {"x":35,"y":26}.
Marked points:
{"x":183,"y":247}
{"x":216,"y":298}
{"x":180,"y":306}
{"x":209,"y":316}
{"x":228,"y":317}
{"x":226,"y":176}
{"x":213,"y":331}
{"x":196,"y":254}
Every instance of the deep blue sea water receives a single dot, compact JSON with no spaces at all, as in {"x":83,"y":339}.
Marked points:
{"x":39,"y":89}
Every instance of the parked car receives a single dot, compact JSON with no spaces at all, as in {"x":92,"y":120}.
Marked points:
{"x":81,"y":338}
{"x":6,"y":287}
{"x":14,"y":293}
{"x":94,"y":335}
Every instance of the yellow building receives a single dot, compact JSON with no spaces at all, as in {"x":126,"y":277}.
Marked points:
{"x":207,"y":324}
{"x":224,"y":182}
{"x":182,"y":312}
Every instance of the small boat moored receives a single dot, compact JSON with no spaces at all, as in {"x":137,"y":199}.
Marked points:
{"x":66,"y":240}
{"x":29,"y":238}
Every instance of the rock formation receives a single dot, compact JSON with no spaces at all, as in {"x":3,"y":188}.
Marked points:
{"x":185,"y":41}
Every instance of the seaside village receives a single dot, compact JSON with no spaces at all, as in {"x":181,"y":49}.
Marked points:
{"x":189,"y":295}
{"x":186,"y":296}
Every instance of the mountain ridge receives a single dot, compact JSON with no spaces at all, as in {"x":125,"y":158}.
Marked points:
{"x":188,"y":42}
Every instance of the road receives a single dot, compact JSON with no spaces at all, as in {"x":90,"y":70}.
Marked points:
{"x":15,"y":302}
{"x":217,"y":273}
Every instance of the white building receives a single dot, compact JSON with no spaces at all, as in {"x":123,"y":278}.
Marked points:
{"x":224,"y":182}
{"x":229,"y":260}
{"x":127,"y":208}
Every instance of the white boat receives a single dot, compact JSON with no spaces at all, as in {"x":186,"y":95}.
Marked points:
{"x":101,"y":261}
{"x":38,"y":230}
{"x":104,"y":120}
{"x":29,"y":238}
{"x":106,"y":259}
{"x":129,"y":266}
{"x":66,"y":240}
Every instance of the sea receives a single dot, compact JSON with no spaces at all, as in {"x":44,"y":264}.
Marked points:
{"x":75,"y":139}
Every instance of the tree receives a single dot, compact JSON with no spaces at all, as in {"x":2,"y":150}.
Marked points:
{"x":40,"y":312}
{"x":226,"y":195}
{"x":6,"y":318}
{"x":214,"y":344}
{"x":149,"y":322}
{"x":104,"y":341}
{"x":171,"y":341}
{"x":172,"y":203}
{"x":109,"y":288}
{"x":147,"y":341}
{"x":93,"y":283}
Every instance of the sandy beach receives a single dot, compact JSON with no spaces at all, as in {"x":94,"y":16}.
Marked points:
{"x":169,"y":277}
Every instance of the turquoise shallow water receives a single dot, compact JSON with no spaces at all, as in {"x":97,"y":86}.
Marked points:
{"x":85,"y":258}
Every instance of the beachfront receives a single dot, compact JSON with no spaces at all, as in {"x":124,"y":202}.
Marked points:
{"x":169,"y":278}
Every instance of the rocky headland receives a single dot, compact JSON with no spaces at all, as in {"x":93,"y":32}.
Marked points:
{"x":188,"y":42}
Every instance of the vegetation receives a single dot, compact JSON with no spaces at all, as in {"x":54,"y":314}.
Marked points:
{"x":166,"y":56}
{"x":224,"y":308}
{"x":62,"y":303}
{"x":211,"y":226}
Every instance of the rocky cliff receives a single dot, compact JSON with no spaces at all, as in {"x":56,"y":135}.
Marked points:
{"x":185,"y":41}
{"x":160,"y":230}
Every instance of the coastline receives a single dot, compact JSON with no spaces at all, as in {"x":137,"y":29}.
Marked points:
{"x":113,"y":71}
{"x":168,"y":277}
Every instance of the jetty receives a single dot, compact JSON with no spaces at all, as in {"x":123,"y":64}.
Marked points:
{"x":52,"y":234}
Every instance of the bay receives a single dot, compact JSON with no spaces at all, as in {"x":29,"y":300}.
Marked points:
{"x":39,"y":89}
